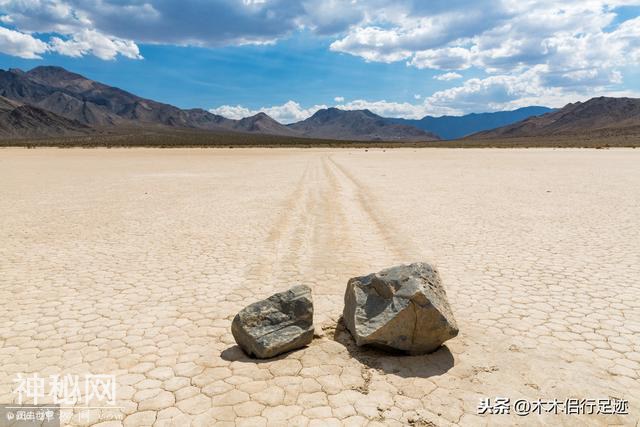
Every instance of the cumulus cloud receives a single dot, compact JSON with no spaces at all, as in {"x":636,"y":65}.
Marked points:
{"x":508,"y":92}
{"x":331,"y":16}
{"x":127,"y":23}
{"x":450,"y":58}
{"x":448,"y":76}
{"x":339,"y":99}
{"x":289,"y":112}
{"x":453,"y":35}
{"x":461,"y":33}
{"x":373,"y":44}
{"x":385,"y":108}
{"x":73,"y":29}
{"x":20,"y":44}
{"x":572,"y":46}
{"x":91,"y":42}
{"x":235,"y":112}
{"x":186,"y":22}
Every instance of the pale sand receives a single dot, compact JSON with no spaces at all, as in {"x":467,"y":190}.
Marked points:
{"x":134,"y":261}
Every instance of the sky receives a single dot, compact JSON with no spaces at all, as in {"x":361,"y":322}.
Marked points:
{"x":289,"y":58}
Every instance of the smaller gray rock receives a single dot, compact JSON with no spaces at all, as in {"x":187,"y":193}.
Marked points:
{"x":280,"y":323}
{"x":403,"y":308}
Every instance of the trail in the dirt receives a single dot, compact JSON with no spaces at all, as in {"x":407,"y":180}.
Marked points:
{"x":328,"y":229}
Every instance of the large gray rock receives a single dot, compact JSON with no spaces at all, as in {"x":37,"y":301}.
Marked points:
{"x":403,"y":308}
{"x":280,"y":323}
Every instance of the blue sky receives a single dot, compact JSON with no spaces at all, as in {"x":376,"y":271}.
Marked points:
{"x":289,"y":58}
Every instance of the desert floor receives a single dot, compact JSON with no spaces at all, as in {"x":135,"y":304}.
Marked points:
{"x":133,"y":262}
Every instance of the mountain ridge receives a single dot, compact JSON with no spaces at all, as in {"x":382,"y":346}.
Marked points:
{"x":600,"y":114}
{"x":95,"y":104}
{"x":263,"y":123}
{"x":75,"y":97}
{"x":18,"y":120}
{"x":454,"y":127}
{"x":334,"y":123}
{"x":51,"y":101}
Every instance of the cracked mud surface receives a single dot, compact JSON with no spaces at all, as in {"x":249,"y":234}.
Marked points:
{"x":133,"y":262}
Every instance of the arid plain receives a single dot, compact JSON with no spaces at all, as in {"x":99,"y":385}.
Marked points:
{"x":133,"y":262}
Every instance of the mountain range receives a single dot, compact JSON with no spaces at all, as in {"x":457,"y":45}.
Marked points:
{"x":454,"y":127}
{"x":51,"y":101}
{"x":597,"y":115}
{"x":74,"y":97}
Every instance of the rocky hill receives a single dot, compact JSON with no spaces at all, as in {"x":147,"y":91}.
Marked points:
{"x":262,"y":123}
{"x":77,"y":98}
{"x":19,"y":120}
{"x":597,"y":115}
{"x":333,"y":123}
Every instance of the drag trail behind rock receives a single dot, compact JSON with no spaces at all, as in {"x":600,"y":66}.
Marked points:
{"x":328,"y":230}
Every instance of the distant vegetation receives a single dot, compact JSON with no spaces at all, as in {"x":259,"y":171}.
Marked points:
{"x":177,"y":139}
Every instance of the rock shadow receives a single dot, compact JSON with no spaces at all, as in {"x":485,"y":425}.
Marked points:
{"x":235,"y":354}
{"x":398,"y":363}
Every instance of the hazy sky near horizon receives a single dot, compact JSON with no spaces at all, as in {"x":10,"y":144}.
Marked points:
{"x":398,"y":58}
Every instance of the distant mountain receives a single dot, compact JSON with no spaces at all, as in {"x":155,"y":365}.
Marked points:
{"x":51,"y":101}
{"x":454,"y":127}
{"x":75,"y":97}
{"x":602,"y":114}
{"x":262,"y":123}
{"x":19,"y":120}
{"x":362,"y":125}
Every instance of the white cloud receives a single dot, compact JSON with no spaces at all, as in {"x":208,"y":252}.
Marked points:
{"x":186,"y":22}
{"x":339,"y":99}
{"x":508,"y":92}
{"x":85,"y":42}
{"x":22,"y":45}
{"x":494,"y":93}
{"x":448,"y":76}
{"x":450,"y":36}
{"x":91,"y":42}
{"x":417,"y":96}
{"x":450,"y":58}
{"x":127,"y":23}
{"x":235,"y":112}
{"x":331,"y":16}
{"x":386,"y":45}
{"x":574,"y":46}
{"x":405,"y":110}
{"x":289,"y":112}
